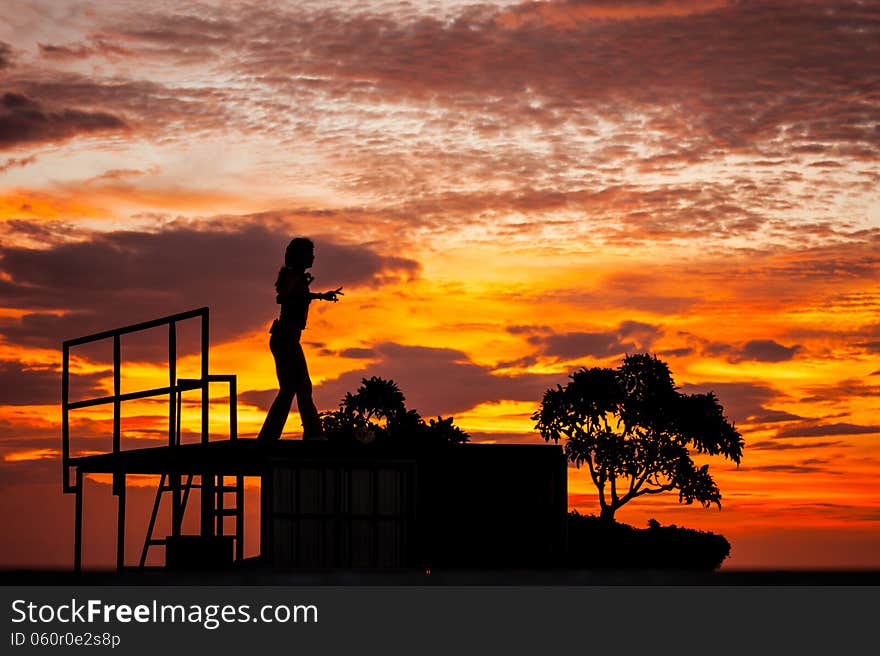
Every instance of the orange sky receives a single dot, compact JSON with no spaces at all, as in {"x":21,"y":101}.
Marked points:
{"x":506,"y":191}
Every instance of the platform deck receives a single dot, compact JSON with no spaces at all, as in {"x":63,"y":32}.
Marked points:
{"x":248,"y":457}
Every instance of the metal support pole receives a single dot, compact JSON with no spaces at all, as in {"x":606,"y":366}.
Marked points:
{"x":239,"y":518}
{"x":178,"y":500}
{"x":172,"y":381}
{"x":65,"y":421}
{"x":175,"y":403}
{"x":205,"y":391}
{"x":78,"y":523}
{"x":120,"y":521}
{"x":117,"y":387}
{"x":233,"y":409}
{"x":208,"y":494}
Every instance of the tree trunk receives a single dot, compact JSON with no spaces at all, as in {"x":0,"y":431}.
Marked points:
{"x":607,"y":513}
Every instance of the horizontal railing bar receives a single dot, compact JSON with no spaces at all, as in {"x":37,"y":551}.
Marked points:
{"x":122,"y":397}
{"x":136,"y":327}
{"x":186,"y":384}
{"x":197,"y":382}
{"x":183,"y":385}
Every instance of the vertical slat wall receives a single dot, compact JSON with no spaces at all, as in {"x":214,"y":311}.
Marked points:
{"x":338,"y":514}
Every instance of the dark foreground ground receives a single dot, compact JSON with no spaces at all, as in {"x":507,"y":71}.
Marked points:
{"x":548,"y":577}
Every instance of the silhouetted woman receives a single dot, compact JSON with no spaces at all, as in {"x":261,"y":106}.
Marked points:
{"x":294,"y":296}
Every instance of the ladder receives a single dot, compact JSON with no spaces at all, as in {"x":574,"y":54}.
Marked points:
{"x":214,"y":484}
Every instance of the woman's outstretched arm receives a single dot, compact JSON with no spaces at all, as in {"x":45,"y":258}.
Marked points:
{"x":329,"y":296}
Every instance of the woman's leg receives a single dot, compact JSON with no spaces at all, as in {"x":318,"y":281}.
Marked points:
{"x":303,"y":383}
{"x":284,"y":368}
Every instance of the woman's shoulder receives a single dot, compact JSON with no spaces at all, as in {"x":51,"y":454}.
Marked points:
{"x":291,"y":280}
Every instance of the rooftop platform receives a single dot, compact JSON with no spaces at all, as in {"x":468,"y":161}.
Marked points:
{"x":323,"y":503}
{"x":248,"y":457}
{"x":352,"y":505}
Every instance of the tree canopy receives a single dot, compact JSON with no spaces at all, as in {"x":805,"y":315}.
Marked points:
{"x":376,"y":412}
{"x":635,"y":432}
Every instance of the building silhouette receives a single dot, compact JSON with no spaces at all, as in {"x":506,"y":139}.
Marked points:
{"x":323,"y":504}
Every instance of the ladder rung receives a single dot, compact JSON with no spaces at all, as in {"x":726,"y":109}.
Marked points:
{"x":226,"y":512}
{"x":156,"y":541}
{"x":227,"y":488}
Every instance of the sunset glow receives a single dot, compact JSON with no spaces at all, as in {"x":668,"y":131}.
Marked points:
{"x":506,"y":191}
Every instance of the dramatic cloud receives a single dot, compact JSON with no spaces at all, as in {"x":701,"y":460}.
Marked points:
{"x":23,"y":120}
{"x":872,"y":333}
{"x":646,"y":59}
{"x":63,"y":104}
{"x":435,"y":381}
{"x":769,"y":445}
{"x":22,"y":384}
{"x":755,"y":350}
{"x":5,"y":55}
{"x":630,"y":336}
{"x":568,"y":14}
{"x":823,"y":430}
{"x":843,"y":390}
{"x":96,"y":46}
{"x":808,"y":467}
{"x":767,"y":350}
{"x":15,"y":162}
{"x":507,"y":182}
{"x":608,"y":116}
{"x":122,"y":277}
{"x":745,"y":402}
{"x":358,"y":353}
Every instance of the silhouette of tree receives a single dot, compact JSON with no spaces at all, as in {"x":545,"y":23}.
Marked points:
{"x":376,"y":399}
{"x":634,"y":431}
{"x":376,"y":412}
{"x":443,"y":431}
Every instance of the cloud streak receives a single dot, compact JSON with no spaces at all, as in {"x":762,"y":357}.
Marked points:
{"x":116,"y":278}
{"x":628,"y":337}
{"x":24,"y":120}
{"x":435,"y":381}
{"x":23,"y":384}
{"x":5,"y":55}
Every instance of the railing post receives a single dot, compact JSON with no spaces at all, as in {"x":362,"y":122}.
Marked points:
{"x":208,"y":496}
{"x":233,"y":409}
{"x":208,"y":478}
{"x":205,"y":390}
{"x":117,"y":390}
{"x":174,"y":408}
{"x":65,"y":421}
{"x":120,"y":521}
{"x":78,"y":522}
{"x":239,"y":518}
{"x":172,"y":381}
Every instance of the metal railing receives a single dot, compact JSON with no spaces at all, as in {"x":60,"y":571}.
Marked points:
{"x":173,"y":388}
{"x":212,"y":485}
